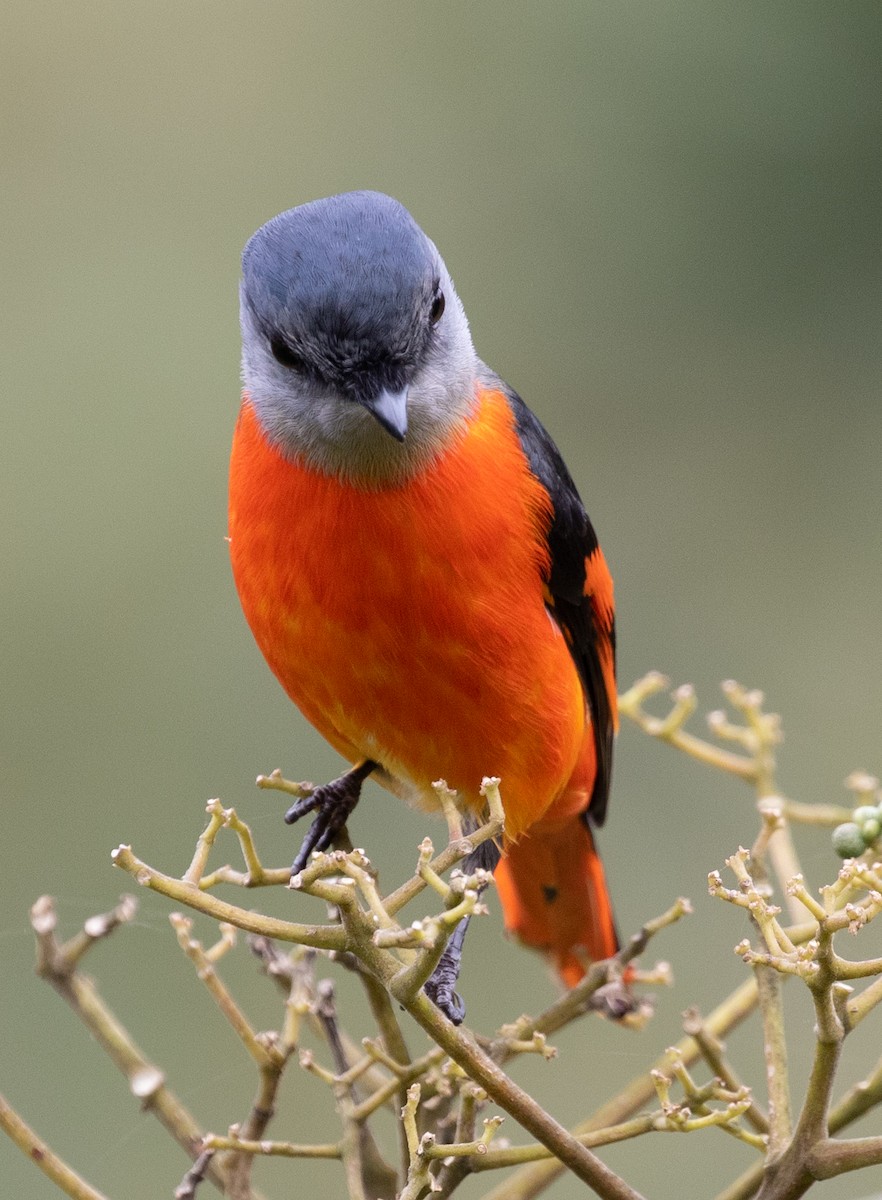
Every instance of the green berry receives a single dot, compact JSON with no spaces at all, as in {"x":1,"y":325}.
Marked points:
{"x":866,"y":812}
{"x":870,"y":830}
{"x":848,"y":841}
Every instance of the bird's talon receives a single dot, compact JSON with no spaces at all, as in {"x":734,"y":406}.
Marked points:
{"x":301,"y":807}
{"x":447,"y":1000}
{"x":332,"y":803}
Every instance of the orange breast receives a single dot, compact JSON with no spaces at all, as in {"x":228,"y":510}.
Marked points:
{"x":408,"y":623}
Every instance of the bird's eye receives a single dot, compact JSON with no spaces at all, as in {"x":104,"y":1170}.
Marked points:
{"x":285,"y":356}
{"x":437,"y":307}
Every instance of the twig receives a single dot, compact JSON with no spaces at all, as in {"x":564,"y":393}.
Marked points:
{"x":858,"y":1100}
{"x":455,"y":852}
{"x":269,"y":1056}
{"x":759,"y":734}
{"x":186,"y":1189}
{"x":426,"y":1150}
{"x":479,"y":1067}
{"x":271,"y":1149}
{"x":293,"y":973}
{"x":393,"y":1042}
{"x":670,"y":728}
{"x":534,"y":1178}
{"x":327,"y":937}
{"x":263,"y":1052}
{"x":404,"y":1076}
{"x":146,"y":1081}
{"x":33,"y":1146}
{"x":801,"y":1155}
{"x":713,"y":1051}
{"x":455,"y":1170}
{"x":255,"y":875}
{"x":576,"y":1001}
{"x":361,"y":1156}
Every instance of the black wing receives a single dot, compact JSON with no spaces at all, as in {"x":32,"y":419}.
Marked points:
{"x":581,"y":609}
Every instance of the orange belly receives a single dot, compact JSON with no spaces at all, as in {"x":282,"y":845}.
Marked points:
{"x":408,"y":623}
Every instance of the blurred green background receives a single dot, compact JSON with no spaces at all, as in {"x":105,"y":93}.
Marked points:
{"x":662,"y":221}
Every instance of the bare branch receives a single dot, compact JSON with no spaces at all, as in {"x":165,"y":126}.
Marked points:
{"x":33,"y":1146}
{"x":146,"y":1081}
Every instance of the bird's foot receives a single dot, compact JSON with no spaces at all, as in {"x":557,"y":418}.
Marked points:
{"x":441,"y":991}
{"x":440,"y":987}
{"x":332,"y":804}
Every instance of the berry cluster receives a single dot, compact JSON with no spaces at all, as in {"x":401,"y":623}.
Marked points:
{"x":853,"y":837}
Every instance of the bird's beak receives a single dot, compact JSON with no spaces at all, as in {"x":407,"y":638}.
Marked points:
{"x":390,"y":409}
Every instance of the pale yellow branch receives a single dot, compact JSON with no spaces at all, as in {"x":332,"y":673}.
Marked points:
{"x":39,"y":1153}
{"x":271,"y":1149}
{"x":327,"y":937}
{"x":263,"y":1052}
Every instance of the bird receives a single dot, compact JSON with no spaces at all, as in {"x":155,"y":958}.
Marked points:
{"x":417,"y":567}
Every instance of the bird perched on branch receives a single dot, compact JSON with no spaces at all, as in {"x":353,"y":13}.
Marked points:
{"x":415,"y":563}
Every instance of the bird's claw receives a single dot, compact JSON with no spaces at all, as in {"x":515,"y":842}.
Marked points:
{"x":440,"y":987}
{"x":447,"y":999}
{"x":332,"y":803}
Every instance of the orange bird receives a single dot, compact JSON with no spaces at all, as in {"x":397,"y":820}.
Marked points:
{"x":416,"y":565}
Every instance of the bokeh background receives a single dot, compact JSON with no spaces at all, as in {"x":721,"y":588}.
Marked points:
{"x":663,"y":222}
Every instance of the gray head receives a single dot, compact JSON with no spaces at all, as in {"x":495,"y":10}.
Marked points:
{"x":356,"y":352}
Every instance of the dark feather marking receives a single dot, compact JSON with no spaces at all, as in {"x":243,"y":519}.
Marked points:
{"x":571,"y":540}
